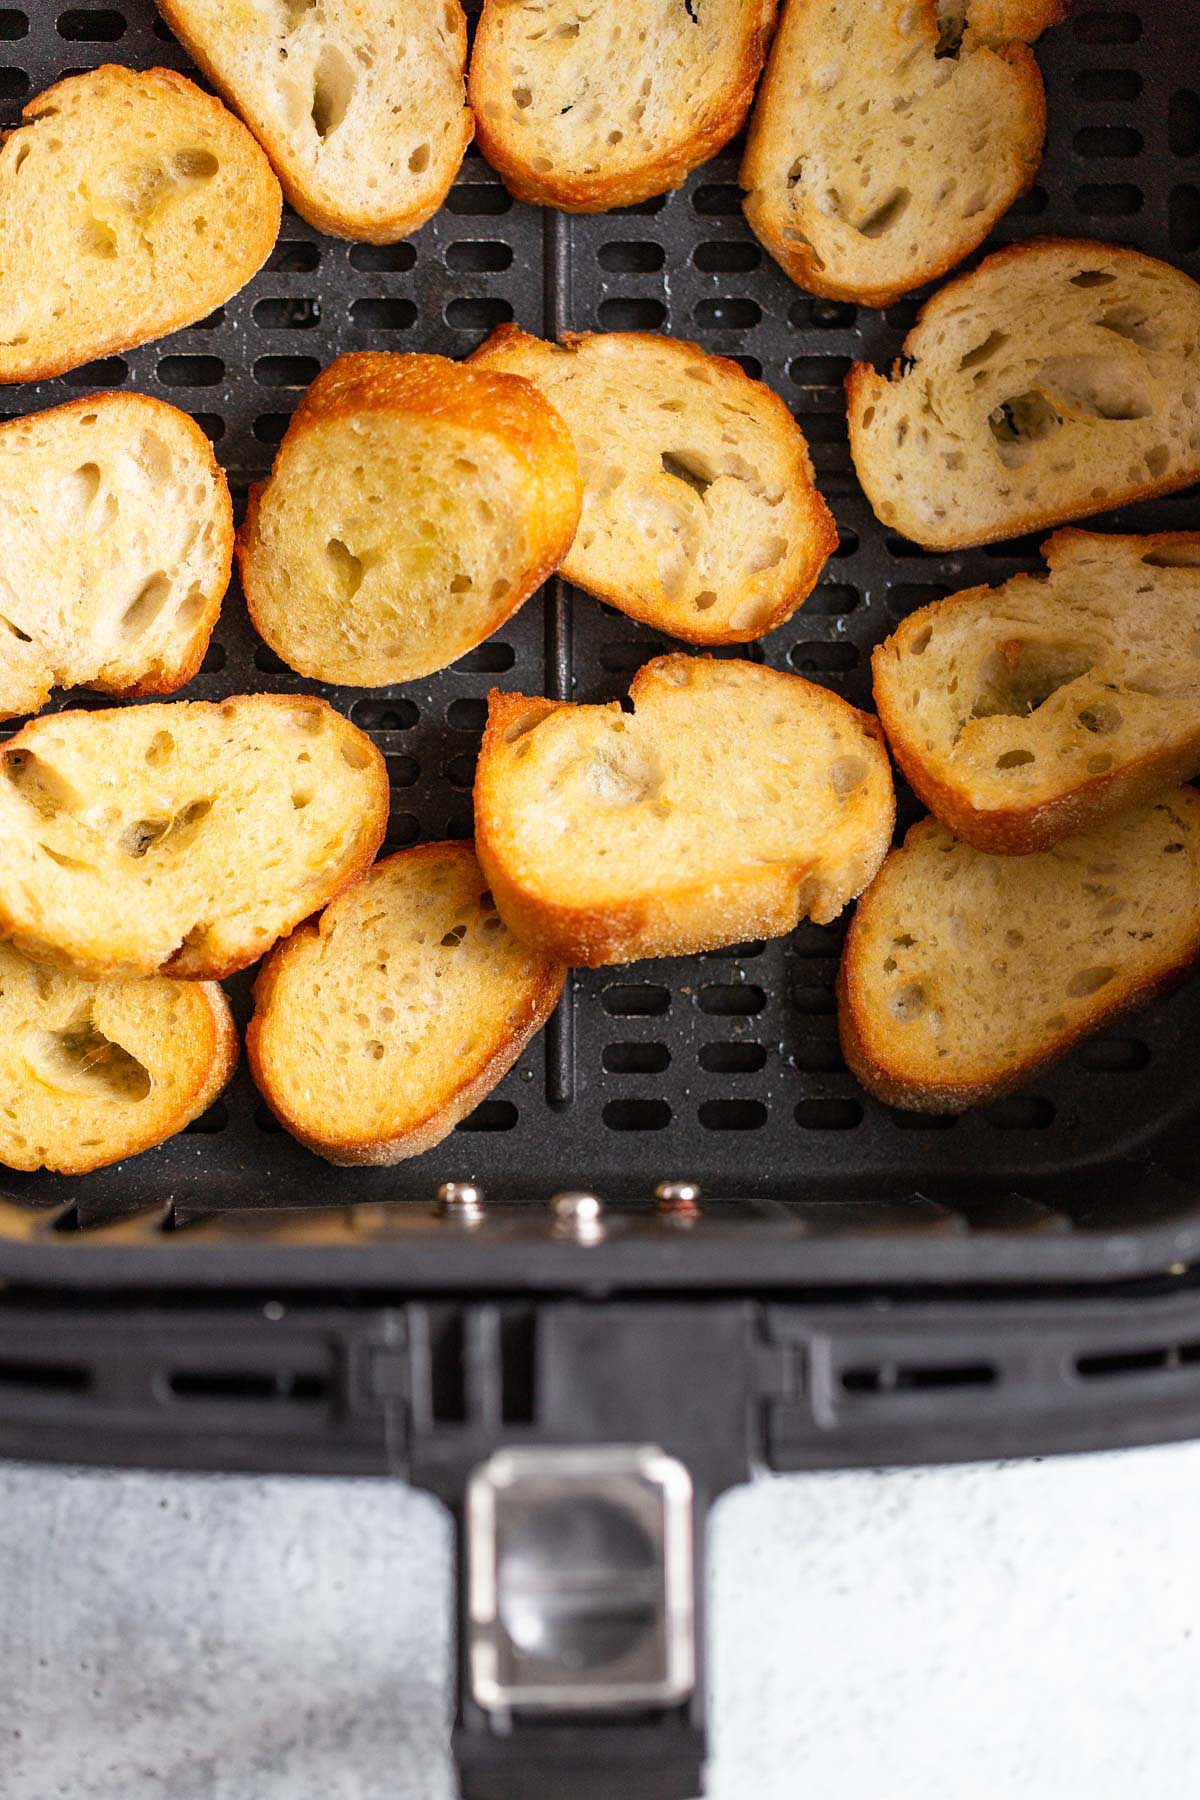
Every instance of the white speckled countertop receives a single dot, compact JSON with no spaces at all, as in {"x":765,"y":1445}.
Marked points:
{"x":978,"y":1633}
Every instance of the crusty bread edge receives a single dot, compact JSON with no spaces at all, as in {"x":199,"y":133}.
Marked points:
{"x":185,"y":965}
{"x":341,"y":222}
{"x":819,"y":521}
{"x":911,"y":1095}
{"x":704,"y":135}
{"x":349,"y":1152}
{"x":550,"y":536}
{"x":864,"y":383}
{"x":798,"y":259}
{"x":1023,"y":830}
{"x":214,"y":1078}
{"x":260,"y":227}
{"x":765,"y":902}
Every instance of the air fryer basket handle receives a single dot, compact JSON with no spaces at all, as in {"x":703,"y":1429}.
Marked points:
{"x":581,"y":1503}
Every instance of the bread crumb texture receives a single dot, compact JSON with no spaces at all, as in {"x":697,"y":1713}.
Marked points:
{"x":1021,"y":713}
{"x":93,"y":1071}
{"x":415,"y":503}
{"x":131,"y":204}
{"x":732,"y":802}
{"x":591,"y":104}
{"x":700,"y":516}
{"x":963,"y":972}
{"x":182,"y":838}
{"x":380,"y":1025}
{"x":360,"y":104}
{"x":1057,"y":379}
{"x":117,"y":539}
{"x":890,"y":135}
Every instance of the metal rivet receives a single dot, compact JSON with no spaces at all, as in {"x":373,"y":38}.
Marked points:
{"x":461,"y":1200}
{"x":678,"y":1199}
{"x":578,"y":1215}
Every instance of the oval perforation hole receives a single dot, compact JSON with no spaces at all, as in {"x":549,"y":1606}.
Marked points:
{"x":814,"y":1002}
{"x":466,"y":715}
{"x":732,"y":1115}
{"x":85,"y":25}
{"x":1108,"y":140}
{"x":829,"y":1114}
{"x":1021,"y":1112}
{"x":630,"y":1114}
{"x":920,"y":1121}
{"x":1114,"y":1056}
{"x":490,"y":1115}
{"x":487,"y":659}
{"x":403,"y":771}
{"x":286,"y":371}
{"x":833,"y":599}
{"x":1184,"y":219}
{"x":302,"y":313}
{"x":636,"y":1000}
{"x":388,"y":314}
{"x":630,"y":258}
{"x":292,"y":256}
{"x":1108,"y":200}
{"x":735,"y":999}
{"x":731,"y":312}
{"x":269,"y":427}
{"x":107,"y":371}
{"x":478,"y":199}
{"x":479,"y":258}
{"x":13,"y":24}
{"x":717,"y":200}
{"x":834,"y":658}
{"x":1183,"y":123}
{"x":632,"y":315}
{"x":391,"y":259}
{"x":630,"y":1058}
{"x":385,"y":715}
{"x":404,"y":829}
{"x":190,"y":371}
{"x":477,"y":312}
{"x":732,"y":258}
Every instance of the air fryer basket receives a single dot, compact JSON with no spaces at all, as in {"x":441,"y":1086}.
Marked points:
{"x":223,"y":1302}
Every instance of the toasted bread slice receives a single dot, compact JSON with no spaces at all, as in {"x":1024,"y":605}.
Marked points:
{"x":591,"y":107}
{"x":380,"y":1025}
{"x":131,"y":204}
{"x":1023,"y":714}
{"x":181,"y":838}
{"x":700,"y":516}
{"x":93,"y":1071}
{"x":965,"y":973}
{"x":732,"y":803}
{"x":414,"y":505}
{"x":1055,"y":380}
{"x":116,"y":538}
{"x":360,"y":104}
{"x":887,"y":139}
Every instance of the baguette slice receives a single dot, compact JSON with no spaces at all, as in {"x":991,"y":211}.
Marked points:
{"x":93,"y":1071}
{"x":888,"y":138}
{"x":591,"y":107}
{"x":1055,"y":380}
{"x":699,"y":512}
{"x":380,"y":1025}
{"x":1024,"y":713}
{"x":131,"y":204}
{"x":963,"y":973}
{"x":733,"y":802}
{"x":116,"y":538}
{"x":359,"y":104}
{"x":414,"y":505}
{"x":184,"y":838}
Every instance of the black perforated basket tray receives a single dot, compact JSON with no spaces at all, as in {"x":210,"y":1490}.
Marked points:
{"x":724,"y":1068}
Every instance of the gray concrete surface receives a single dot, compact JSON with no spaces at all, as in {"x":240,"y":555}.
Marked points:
{"x":963,"y":1634}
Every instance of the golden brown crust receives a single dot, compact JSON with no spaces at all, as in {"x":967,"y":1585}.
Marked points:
{"x":819,"y":524}
{"x":940,"y":1094}
{"x":1021,"y":830}
{"x":335,"y":221}
{"x":864,"y":384}
{"x":680,"y":919}
{"x":435,"y":390}
{"x":709,"y":131}
{"x":188,"y":963}
{"x":795,"y":256}
{"x":346,"y":1151}
{"x":259,"y":221}
{"x":222,"y":1057}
